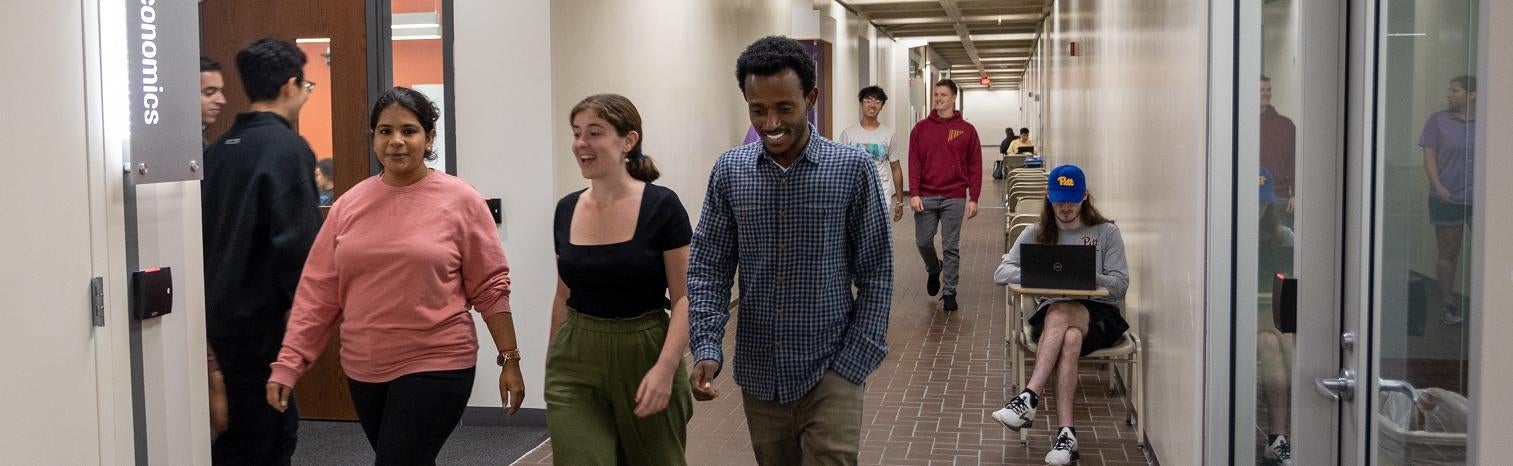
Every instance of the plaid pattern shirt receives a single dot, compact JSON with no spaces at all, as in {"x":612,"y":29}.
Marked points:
{"x":802,"y":238}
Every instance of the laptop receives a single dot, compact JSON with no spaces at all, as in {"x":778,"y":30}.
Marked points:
{"x":1059,"y":266}
{"x":1025,"y":150}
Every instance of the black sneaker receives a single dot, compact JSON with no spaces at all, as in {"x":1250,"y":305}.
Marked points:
{"x":933,"y":284}
{"x":950,"y":302}
{"x":1278,"y":450}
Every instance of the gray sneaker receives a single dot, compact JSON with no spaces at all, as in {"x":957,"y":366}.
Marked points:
{"x":1451,"y":315}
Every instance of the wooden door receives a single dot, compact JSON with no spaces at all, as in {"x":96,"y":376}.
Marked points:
{"x":225,"y":27}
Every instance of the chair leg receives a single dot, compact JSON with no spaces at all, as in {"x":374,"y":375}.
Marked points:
{"x":1138,"y":391}
{"x":1113,"y":383}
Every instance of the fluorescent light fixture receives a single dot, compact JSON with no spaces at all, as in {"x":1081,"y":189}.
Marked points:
{"x":415,"y":26}
{"x":1406,"y":34}
{"x":317,"y":40}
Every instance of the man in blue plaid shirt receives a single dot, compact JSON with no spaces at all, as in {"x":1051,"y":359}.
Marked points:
{"x":803,"y":219}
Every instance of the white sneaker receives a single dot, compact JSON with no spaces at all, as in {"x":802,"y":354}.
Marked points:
{"x":1279,"y":450}
{"x":1064,"y":452}
{"x":1451,"y":315}
{"x":1019,"y":412}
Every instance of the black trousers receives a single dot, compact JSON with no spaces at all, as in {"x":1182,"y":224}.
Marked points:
{"x":258,"y":434}
{"x":408,"y":419}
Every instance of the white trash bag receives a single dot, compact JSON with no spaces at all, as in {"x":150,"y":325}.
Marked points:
{"x":1431,"y":432}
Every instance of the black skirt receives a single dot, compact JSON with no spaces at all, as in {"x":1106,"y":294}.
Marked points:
{"x":1105,"y":324}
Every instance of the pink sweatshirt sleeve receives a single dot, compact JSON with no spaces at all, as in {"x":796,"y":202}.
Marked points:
{"x":485,"y":272}
{"x":316,"y":306}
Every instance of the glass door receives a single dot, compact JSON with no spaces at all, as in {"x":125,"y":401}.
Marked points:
{"x":1290,"y":197}
{"x":1352,"y":242}
{"x":1423,"y":160}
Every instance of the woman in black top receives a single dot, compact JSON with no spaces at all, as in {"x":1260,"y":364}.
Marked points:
{"x":616,"y":388}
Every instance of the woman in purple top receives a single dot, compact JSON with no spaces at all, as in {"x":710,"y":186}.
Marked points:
{"x":1449,"y":140}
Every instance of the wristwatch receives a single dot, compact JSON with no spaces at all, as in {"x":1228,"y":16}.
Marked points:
{"x":507,"y":356}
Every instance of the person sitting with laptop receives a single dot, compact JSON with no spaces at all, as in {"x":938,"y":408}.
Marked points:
{"x":1066,"y":329}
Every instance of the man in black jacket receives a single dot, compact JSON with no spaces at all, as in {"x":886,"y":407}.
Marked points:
{"x":260,"y":214}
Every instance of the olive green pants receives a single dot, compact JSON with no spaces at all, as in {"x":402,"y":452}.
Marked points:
{"x":593,"y":369}
{"x":823,"y":428}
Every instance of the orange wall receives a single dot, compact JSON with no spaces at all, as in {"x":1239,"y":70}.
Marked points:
{"x":315,"y":117}
{"x":415,"y":6}
{"x":415,"y":62}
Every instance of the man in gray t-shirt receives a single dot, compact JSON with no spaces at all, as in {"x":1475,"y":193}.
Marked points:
{"x":877,"y":141}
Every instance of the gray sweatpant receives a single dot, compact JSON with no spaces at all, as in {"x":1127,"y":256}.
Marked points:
{"x":945,"y":214}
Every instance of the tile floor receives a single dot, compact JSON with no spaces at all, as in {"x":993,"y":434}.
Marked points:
{"x":929,"y":402}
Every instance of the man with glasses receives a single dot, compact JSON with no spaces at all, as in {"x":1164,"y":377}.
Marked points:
{"x":877,"y":141}
{"x":260,"y":216}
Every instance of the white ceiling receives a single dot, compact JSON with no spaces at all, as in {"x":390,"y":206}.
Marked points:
{"x":974,"y":37}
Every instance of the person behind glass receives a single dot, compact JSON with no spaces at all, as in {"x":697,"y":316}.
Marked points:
{"x":877,"y":141}
{"x":945,"y":180}
{"x":1274,"y":349}
{"x":616,"y":387}
{"x":1022,"y":140}
{"x":324,"y":183}
{"x":800,"y":217}
{"x":400,"y":259}
{"x":1279,"y":141}
{"x":1449,"y":141}
{"x":1066,"y":329}
{"x":258,"y":220}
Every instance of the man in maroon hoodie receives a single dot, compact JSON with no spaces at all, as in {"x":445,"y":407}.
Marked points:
{"x":945,"y":179}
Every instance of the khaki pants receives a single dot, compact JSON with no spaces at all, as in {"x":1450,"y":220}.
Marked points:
{"x":822,"y":428}
{"x":593,"y":369}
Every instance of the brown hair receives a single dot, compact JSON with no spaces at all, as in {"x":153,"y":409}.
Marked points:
{"x":620,"y":113}
{"x":1050,"y":232}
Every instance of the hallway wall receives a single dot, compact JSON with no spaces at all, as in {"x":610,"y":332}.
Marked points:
{"x":1492,"y":269}
{"x":502,"y":111}
{"x":1139,"y":78}
{"x":676,"y":61}
{"x":991,"y":111}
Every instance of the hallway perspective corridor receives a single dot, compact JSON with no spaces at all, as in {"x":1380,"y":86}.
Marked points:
{"x":929,"y":402}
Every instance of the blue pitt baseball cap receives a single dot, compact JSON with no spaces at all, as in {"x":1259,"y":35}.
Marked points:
{"x":1268,"y":193}
{"x":1065,"y":185}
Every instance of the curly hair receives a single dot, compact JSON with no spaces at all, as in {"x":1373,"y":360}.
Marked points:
{"x":413,"y":101}
{"x":873,"y":92}
{"x":772,"y":54}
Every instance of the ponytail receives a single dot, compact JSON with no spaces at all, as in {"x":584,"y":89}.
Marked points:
{"x":641,"y":167}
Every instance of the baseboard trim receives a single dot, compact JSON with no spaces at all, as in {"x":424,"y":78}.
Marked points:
{"x":495,"y":416}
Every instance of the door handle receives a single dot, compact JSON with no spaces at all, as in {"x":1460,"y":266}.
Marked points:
{"x":1341,"y":388}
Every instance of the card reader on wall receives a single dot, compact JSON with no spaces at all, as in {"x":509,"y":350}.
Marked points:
{"x":495,"y":210}
{"x":151,"y":292}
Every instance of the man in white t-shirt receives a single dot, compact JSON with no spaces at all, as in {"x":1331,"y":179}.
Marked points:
{"x":877,"y":141}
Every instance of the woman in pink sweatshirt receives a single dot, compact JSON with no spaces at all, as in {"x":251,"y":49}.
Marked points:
{"x":400,"y":259}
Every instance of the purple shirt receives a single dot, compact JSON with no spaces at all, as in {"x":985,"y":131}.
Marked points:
{"x":1454,"y":144}
{"x":751,"y":136}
